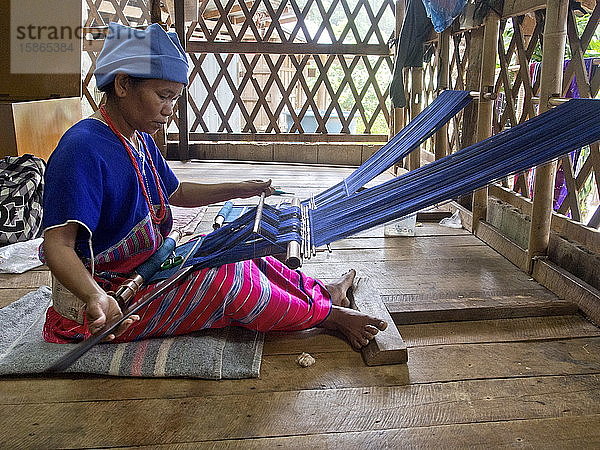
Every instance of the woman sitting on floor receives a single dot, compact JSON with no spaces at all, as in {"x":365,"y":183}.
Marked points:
{"x":106,"y":210}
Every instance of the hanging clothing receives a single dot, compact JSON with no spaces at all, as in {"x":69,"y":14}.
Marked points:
{"x":91,"y":181}
{"x":443,"y":12}
{"x":409,"y":48}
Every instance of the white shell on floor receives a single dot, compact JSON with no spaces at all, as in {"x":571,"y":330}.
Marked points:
{"x":305,"y":360}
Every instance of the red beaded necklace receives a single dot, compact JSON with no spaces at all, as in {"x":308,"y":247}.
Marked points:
{"x":157,"y":216}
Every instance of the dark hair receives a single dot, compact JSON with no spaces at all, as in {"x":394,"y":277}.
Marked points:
{"x":109,"y":89}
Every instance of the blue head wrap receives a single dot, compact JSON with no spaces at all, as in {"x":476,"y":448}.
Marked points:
{"x":149,"y":53}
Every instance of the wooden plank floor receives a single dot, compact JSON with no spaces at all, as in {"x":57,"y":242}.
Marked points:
{"x":518,"y":372}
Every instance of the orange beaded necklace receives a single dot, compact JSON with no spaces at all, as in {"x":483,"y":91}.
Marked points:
{"x":157,"y":216}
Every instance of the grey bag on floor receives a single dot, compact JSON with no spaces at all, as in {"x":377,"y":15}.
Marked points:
{"x":21,"y":191}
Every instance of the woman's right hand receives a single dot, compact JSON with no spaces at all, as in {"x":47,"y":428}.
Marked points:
{"x":103,"y":309}
{"x":250,"y":188}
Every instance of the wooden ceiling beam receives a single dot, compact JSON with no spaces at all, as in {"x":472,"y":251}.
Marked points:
{"x":519,"y":7}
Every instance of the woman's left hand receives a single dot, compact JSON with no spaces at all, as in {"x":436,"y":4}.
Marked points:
{"x":250,"y":188}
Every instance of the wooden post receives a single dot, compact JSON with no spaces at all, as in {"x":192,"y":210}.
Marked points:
{"x":182,"y":103}
{"x":553,"y":53}
{"x":398,"y":116}
{"x":160,"y":137}
{"x":416,"y":95}
{"x":155,"y":12}
{"x":441,"y":137}
{"x":486,"y":106}
{"x":472,"y":80}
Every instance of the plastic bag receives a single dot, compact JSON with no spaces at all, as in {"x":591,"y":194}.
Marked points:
{"x":452,"y":222}
{"x":443,"y":12}
{"x":20,"y":257}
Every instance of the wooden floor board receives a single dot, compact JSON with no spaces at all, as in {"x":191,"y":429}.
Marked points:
{"x":278,"y":414}
{"x":469,"y":332}
{"x":502,"y":330}
{"x":580,"y":432}
{"x":335,"y":370}
{"x":483,"y":381}
{"x":408,"y":311}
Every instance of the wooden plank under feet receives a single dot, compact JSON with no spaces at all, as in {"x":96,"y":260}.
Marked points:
{"x":387,"y":347}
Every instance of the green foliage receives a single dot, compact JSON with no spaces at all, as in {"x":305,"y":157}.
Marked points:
{"x":360,"y":76}
{"x":592,"y":51}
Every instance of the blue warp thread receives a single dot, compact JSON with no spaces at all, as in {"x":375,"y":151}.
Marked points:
{"x":342,"y":212}
{"x":534,"y":142}
{"x":237,"y":242}
{"x":422,"y":127}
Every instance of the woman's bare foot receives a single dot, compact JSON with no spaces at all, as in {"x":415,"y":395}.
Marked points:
{"x":357,"y":327}
{"x":339,"y":288}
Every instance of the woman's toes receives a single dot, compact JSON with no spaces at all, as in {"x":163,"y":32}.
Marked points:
{"x":382,"y":325}
{"x":356,"y":344}
{"x":360,"y":343}
{"x":371,"y":329}
{"x":368,"y":335}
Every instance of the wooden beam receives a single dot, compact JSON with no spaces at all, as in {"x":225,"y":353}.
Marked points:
{"x":568,"y":287}
{"x":398,"y":113}
{"x":283,"y":137}
{"x":416,"y":106}
{"x":472,"y":81}
{"x":288,"y":48}
{"x":430,"y":310}
{"x":387,"y":347}
{"x":182,"y":103}
{"x":513,"y":8}
{"x":503,"y":245}
{"x":441,"y":137}
{"x":155,"y":11}
{"x":555,"y":36}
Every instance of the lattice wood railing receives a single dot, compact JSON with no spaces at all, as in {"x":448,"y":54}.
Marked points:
{"x":519,"y":50}
{"x":319,"y":68}
{"x":459,"y":79}
{"x":275,"y":69}
{"x":517,"y":84}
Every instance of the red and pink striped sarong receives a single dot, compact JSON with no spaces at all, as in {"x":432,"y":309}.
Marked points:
{"x":261,"y":294}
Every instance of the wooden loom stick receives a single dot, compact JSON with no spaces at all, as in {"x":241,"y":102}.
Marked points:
{"x":83,"y":347}
{"x":259,"y":212}
{"x":67,"y":360}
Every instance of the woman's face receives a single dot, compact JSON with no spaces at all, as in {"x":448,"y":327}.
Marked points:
{"x":148,"y":104}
